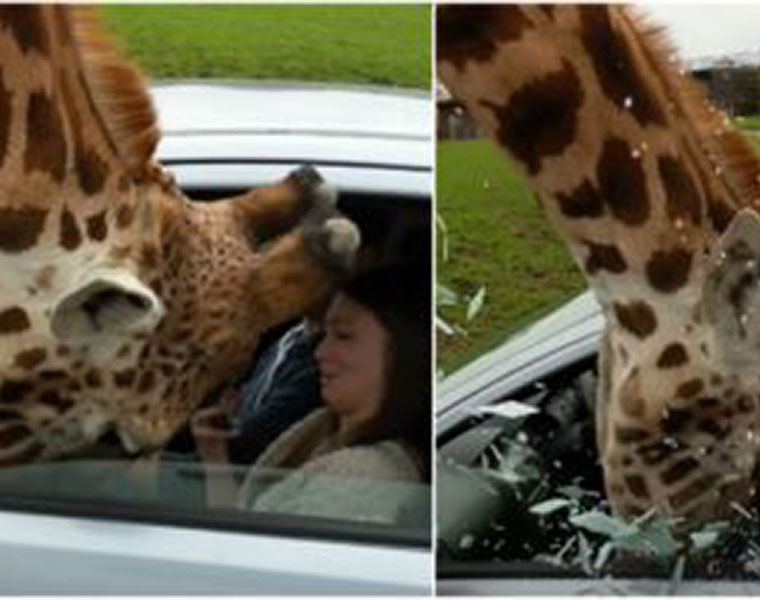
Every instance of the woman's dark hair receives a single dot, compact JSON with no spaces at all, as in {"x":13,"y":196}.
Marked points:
{"x":400,"y":298}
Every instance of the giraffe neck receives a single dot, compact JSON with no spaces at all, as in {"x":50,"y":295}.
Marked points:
{"x":654,"y":195}
{"x":51,"y":130}
{"x":631,"y":166}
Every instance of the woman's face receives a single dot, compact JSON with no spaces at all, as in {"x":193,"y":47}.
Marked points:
{"x":351,"y":360}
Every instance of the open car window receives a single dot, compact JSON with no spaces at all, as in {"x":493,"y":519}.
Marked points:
{"x":521,"y":508}
{"x":175,"y":490}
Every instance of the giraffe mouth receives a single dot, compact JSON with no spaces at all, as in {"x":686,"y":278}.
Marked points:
{"x":130,"y":446}
{"x":108,"y":446}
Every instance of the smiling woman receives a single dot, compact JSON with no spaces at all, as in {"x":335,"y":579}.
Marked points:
{"x":355,"y":458}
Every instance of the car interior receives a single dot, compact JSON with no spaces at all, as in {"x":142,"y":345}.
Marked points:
{"x":493,"y":469}
{"x":394,"y":228}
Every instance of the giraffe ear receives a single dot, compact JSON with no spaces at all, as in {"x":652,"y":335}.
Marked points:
{"x":103,"y":311}
{"x":732,"y":289}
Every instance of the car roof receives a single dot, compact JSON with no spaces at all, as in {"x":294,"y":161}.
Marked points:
{"x":242,"y":133}
{"x":566,"y":335}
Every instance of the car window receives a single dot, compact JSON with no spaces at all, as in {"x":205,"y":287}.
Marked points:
{"x":520,"y":488}
{"x":497,"y":467}
{"x":176,"y":484}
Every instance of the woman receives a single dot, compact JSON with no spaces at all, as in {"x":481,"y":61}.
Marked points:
{"x":354,"y":457}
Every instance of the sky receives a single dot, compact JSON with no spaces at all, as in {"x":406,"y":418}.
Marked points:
{"x":710,"y":29}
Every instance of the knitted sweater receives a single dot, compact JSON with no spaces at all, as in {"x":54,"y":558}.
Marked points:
{"x":365,"y":483}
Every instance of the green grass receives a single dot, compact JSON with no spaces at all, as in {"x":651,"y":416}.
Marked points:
{"x":498,"y":238}
{"x":749,"y":122}
{"x":367,"y":44}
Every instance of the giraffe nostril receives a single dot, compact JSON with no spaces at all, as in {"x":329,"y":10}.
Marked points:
{"x":306,"y":177}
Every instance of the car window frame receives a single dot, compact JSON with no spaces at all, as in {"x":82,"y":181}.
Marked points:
{"x":221,"y":519}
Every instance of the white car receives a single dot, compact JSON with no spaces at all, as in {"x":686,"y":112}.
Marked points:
{"x":103,"y":527}
{"x":511,"y":427}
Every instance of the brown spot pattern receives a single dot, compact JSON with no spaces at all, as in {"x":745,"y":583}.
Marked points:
{"x":668,"y":270}
{"x":5,"y":118}
{"x":14,"y":320}
{"x":708,"y":402}
{"x":690,"y":388}
{"x":149,"y":256}
{"x":28,"y":359}
{"x":675,"y":420}
{"x":20,"y":228}
{"x":602,"y":257}
{"x":125,"y":214}
{"x":92,"y":379}
{"x":720,"y":214}
{"x":622,"y":183}
{"x":96,"y":227}
{"x":70,"y":236}
{"x":615,"y":68}
{"x":674,"y":355}
{"x":637,"y":486}
{"x":548,"y":10}
{"x":632,"y":404}
{"x":54,"y":400}
{"x":540,"y":119}
{"x":637,"y":317}
{"x":582,"y":202}
{"x":12,"y":434}
{"x":27,"y":26}
{"x":465,"y":33}
{"x":147,"y":382}
{"x":679,"y":470}
{"x":681,"y":194}
{"x":12,"y":391}
{"x":45,"y":143}
{"x":694,"y":490}
{"x":715,"y":429}
{"x":167,"y":370}
{"x":629,"y":435}
{"x":91,"y":171}
{"x":52,"y":375}
{"x":124,"y":378}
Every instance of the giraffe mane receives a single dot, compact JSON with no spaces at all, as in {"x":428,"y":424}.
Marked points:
{"x":118,"y":92}
{"x":729,"y":150}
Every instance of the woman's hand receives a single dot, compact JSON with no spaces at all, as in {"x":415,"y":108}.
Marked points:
{"x":212,"y":429}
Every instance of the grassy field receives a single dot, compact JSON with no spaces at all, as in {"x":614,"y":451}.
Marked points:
{"x":751,"y":123}
{"x":497,"y":238}
{"x":370,"y":44}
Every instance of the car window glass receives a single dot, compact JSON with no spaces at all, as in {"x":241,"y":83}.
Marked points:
{"x":490,"y":474}
{"x":182,"y":484}
{"x":526,"y":495}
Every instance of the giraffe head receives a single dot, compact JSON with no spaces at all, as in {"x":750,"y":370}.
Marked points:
{"x":122,"y":302}
{"x":657,"y":197}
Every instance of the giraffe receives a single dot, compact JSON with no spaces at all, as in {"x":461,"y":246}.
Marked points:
{"x":123,"y":302}
{"x":657,"y":198}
